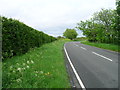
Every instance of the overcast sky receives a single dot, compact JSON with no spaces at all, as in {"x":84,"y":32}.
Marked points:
{"x":53,"y":16}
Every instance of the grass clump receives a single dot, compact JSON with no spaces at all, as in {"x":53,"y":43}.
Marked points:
{"x":41,"y":67}
{"x":112,"y":47}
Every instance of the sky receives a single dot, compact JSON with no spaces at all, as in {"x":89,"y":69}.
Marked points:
{"x":53,"y":16}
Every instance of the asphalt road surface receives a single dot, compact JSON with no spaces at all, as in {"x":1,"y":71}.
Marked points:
{"x":91,"y":67}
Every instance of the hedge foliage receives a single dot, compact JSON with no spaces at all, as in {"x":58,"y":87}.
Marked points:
{"x":18,"y":38}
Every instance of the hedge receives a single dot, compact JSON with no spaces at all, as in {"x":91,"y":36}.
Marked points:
{"x":18,"y":38}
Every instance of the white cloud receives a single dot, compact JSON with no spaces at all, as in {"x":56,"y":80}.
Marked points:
{"x":52,"y":15}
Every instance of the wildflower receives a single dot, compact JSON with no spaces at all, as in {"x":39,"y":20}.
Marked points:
{"x":48,"y":73}
{"x":24,"y":64}
{"x":19,"y":69}
{"x":28,"y":62}
{"x":18,"y":80}
{"x":17,"y":63}
{"x":35,"y":74}
{"x":11,"y":67}
{"x":23,"y":68}
{"x":41,"y":72}
{"x":36,"y":71}
{"x":13,"y":71}
{"x":45,"y":73}
{"x":27,"y":66}
{"x":32,"y":61}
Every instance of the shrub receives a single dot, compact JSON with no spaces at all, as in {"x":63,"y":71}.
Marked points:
{"x":18,"y":38}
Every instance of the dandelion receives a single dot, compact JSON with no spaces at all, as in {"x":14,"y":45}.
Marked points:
{"x":27,"y":66}
{"x":19,"y":69}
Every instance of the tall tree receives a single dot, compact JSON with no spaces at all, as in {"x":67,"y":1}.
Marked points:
{"x":100,"y":27}
{"x":106,"y":17}
{"x":70,"y":33}
{"x":117,"y":23}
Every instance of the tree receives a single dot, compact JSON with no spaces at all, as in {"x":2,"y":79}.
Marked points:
{"x":60,"y":37}
{"x":70,"y":33}
{"x":106,"y":17}
{"x":117,"y":22}
{"x":100,"y":28}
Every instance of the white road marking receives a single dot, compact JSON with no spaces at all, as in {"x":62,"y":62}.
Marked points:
{"x":83,"y":48}
{"x":76,"y":45}
{"x":76,"y":74}
{"x":103,"y":56}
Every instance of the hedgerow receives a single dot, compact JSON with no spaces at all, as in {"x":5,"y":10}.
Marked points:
{"x":18,"y":38}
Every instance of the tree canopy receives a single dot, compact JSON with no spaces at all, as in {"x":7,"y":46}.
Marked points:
{"x":101,"y":27}
{"x":70,"y":33}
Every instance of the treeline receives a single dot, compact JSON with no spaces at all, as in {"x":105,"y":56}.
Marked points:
{"x":18,"y":38}
{"x":103,"y":27}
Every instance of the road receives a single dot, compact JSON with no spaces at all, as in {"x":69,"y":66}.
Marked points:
{"x":93,"y":67}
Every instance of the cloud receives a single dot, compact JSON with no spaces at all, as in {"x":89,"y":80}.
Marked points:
{"x":52,"y":16}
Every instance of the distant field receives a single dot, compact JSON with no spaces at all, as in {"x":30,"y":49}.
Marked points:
{"x":42,"y":67}
{"x":103,"y":45}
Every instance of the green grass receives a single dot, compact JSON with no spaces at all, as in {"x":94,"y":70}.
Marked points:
{"x":0,"y":75}
{"x":103,"y":45}
{"x":42,"y":67}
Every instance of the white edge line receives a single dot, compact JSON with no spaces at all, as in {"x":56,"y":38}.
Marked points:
{"x":103,"y":56}
{"x":76,"y":74}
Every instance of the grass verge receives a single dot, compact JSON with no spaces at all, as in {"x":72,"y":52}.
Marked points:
{"x":103,"y":45}
{"x":41,"y":67}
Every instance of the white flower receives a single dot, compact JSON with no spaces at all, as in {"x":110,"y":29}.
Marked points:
{"x":19,"y":69}
{"x":35,"y":74}
{"x":28,"y":62}
{"x":11,"y":67}
{"x":41,"y":72}
{"x":13,"y":71}
{"x":18,"y":80}
{"x":23,"y":68}
{"x":27,"y":66}
{"x":32,"y":61}
{"x":17,"y":63}
{"x":36,"y":71}
{"x":24,"y":64}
